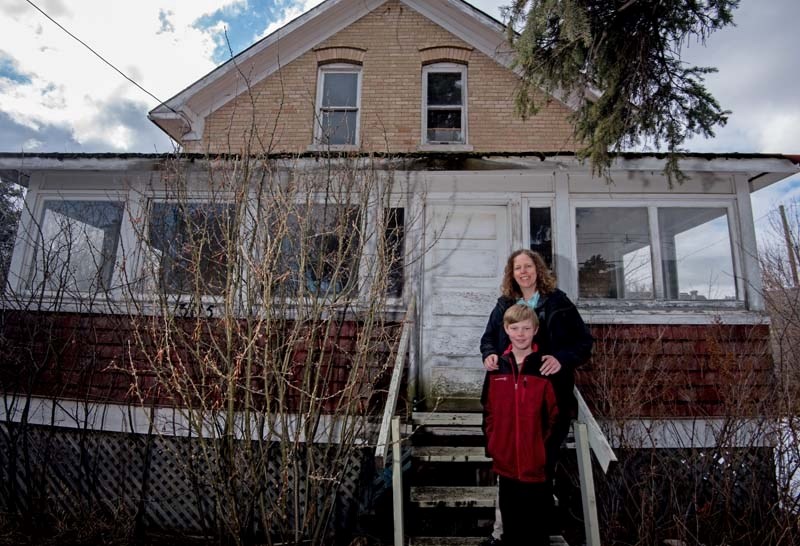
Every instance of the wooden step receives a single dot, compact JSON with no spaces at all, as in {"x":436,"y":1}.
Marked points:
{"x":457,"y":496}
{"x":460,"y":424}
{"x":445,"y":454}
{"x":452,"y":431}
{"x":555,"y":540}
{"x":440,"y":419}
{"x":454,"y":496}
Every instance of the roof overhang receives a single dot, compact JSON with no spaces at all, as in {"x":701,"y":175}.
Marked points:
{"x":761,"y":170}
{"x":18,"y":167}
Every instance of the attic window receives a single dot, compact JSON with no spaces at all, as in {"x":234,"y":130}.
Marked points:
{"x":338,"y":105}
{"x":444,"y":94}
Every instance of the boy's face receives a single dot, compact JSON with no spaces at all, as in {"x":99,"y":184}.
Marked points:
{"x":521,"y":334}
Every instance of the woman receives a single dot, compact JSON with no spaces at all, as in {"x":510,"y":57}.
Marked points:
{"x":563,"y":339}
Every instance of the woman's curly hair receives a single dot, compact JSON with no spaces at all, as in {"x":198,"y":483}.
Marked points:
{"x":545,"y":279}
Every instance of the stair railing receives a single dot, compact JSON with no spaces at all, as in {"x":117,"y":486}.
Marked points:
{"x":382,"y":447}
{"x":589,"y":437}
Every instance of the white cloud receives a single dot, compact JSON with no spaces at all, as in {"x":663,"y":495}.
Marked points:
{"x":31,"y":144}
{"x":768,"y":199}
{"x":780,"y":132}
{"x":490,"y":7}
{"x":69,"y":85}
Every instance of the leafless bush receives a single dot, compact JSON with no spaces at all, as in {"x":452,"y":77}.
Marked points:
{"x":256,"y":297}
{"x":779,"y":254}
{"x":695,"y":413}
{"x":265,"y":322}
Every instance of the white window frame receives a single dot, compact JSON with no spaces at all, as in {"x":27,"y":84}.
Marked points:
{"x":372,"y":219}
{"x":450,"y":68}
{"x":540,"y":202}
{"x":336,"y":68}
{"x":27,"y":242}
{"x":652,"y":204}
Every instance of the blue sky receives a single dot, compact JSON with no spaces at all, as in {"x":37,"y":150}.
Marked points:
{"x":245,"y":23}
{"x":11,"y":71}
{"x":56,"y":96}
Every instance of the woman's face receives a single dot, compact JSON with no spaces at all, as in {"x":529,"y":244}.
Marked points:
{"x":525,"y":272}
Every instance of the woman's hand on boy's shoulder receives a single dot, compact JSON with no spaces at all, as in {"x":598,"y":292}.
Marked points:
{"x":550,"y":365}
{"x":490,"y":363}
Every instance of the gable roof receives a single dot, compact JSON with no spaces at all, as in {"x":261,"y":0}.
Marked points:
{"x":182,"y":116}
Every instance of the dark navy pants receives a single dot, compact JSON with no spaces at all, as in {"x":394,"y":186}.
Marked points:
{"x":526,"y":509}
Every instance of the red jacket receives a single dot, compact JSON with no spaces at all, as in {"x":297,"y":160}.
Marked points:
{"x":519,"y":411}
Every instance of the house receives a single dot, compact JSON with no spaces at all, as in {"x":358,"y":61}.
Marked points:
{"x":414,"y":98}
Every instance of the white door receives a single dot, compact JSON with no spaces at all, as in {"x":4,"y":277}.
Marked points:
{"x":466,"y":248}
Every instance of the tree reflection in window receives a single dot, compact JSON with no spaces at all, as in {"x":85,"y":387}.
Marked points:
{"x":394,"y":234}
{"x":78,"y":246}
{"x":541,"y":233}
{"x":319,"y":250}
{"x":191,"y":242}
{"x":614,"y":253}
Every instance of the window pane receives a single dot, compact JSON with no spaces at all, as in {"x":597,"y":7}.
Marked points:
{"x":320,"y":250}
{"x":541,"y":234}
{"x":696,"y":254}
{"x":340,"y":89}
{"x":614,"y":258}
{"x":445,"y":89}
{"x":339,"y":127}
{"x":444,"y":126}
{"x":79,"y":245}
{"x":191,"y":243}
{"x":394,"y":231}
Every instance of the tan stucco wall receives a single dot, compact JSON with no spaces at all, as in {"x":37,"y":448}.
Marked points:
{"x":281,"y":107}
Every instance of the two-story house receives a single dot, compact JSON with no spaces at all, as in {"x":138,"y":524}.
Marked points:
{"x":420,"y":94}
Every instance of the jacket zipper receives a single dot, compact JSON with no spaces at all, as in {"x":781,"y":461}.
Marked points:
{"x":516,"y":413}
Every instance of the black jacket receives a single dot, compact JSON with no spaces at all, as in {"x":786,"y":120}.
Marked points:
{"x":562,"y":333}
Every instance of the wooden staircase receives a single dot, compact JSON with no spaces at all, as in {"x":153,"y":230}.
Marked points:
{"x":456,"y":495}
{"x":452,"y":496}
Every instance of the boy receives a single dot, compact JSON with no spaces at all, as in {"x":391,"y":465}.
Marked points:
{"x":519,"y":411}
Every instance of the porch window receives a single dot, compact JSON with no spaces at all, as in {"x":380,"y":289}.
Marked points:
{"x":671,"y":253}
{"x":541,"y":233}
{"x":614,"y":253}
{"x":320,"y":246}
{"x":190,"y":243}
{"x":338,"y":105}
{"x":696,"y":257}
{"x":394,"y":236}
{"x":444,"y":103}
{"x":77,"y":247}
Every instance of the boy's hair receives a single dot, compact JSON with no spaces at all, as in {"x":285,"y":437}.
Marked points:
{"x":519,"y":312}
